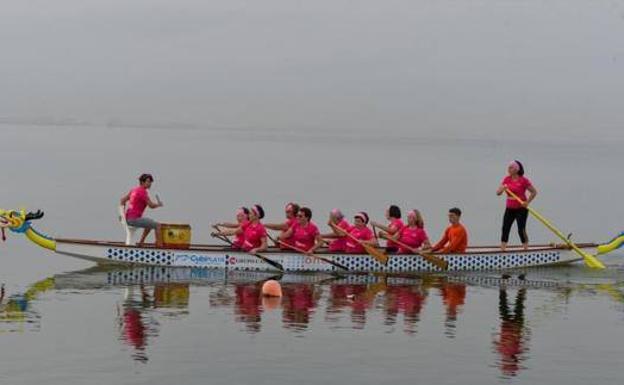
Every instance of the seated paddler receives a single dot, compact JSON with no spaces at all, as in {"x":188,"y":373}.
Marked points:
{"x":304,"y":235}
{"x":254,"y":234}
{"x":455,"y":237}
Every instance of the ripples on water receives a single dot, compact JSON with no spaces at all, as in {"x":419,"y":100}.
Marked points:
{"x":150,"y":300}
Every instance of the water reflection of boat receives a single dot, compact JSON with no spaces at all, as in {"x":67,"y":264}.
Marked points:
{"x":351,"y":301}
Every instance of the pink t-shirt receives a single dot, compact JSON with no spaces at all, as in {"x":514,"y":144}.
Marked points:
{"x":137,"y":203}
{"x":363,"y":234}
{"x":413,"y":237}
{"x":396,"y":225}
{"x":339,"y":244}
{"x":289,"y":223}
{"x":254,"y":232}
{"x":304,"y":236}
{"x":239,"y":240}
{"x":519,"y":187}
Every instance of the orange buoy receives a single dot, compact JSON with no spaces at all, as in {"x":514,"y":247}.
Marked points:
{"x":271,"y":288}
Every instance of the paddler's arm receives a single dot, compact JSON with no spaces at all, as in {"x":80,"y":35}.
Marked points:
{"x":286,"y":234}
{"x":336,"y":233}
{"x":276,"y":226}
{"x":442,"y":242}
{"x":372,"y":241}
{"x":532,"y":195}
{"x":228,"y":225}
{"x":318,"y":242}
{"x":230,"y":232}
{"x":392,"y":237}
{"x":382,"y":227}
{"x":124,"y":199}
{"x":153,"y":205}
{"x":426,"y":245}
{"x":263,"y":246}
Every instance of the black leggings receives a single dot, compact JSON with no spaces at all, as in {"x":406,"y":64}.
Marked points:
{"x":512,"y":215}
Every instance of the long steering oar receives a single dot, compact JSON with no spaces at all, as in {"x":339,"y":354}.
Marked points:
{"x":436,"y":261}
{"x":370,"y":250}
{"x":338,"y":265}
{"x":589,"y":259}
{"x":271,"y":262}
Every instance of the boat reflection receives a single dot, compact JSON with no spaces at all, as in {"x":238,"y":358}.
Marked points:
{"x":149,"y":295}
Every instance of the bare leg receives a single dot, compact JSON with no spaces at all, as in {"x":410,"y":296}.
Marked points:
{"x":525,"y":245}
{"x":504,"y":246}
{"x":143,"y":236}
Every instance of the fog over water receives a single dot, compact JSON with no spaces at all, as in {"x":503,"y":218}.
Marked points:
{"x":481,"y":67}
{"x":349,"y":104}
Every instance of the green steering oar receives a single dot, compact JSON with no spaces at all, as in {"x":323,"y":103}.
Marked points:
{"x":589,"y":259}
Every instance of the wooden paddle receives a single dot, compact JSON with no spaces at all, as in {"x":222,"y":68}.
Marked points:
{"x":589,"y":259}
{"x":338,"y":265}
{"x":271,"y":262}
{"x":375,"y":233}
{"x":436,"y":261}
{"x":370,"y":250}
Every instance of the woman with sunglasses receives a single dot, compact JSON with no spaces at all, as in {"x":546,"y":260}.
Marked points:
{"x":304,"y":234}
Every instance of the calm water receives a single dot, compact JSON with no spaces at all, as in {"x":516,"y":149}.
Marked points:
{"x":197,"y":326}
{"x":81,"y":325}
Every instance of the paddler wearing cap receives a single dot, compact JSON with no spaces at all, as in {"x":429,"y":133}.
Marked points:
{"x":362,"y":232}
{"x":137,"y":200}
{"x":517,"y":183}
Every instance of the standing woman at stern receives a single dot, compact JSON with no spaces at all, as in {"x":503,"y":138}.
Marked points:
{"x":515,"y":211}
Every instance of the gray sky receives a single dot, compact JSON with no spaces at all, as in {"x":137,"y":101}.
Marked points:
{"x":487,"y":66}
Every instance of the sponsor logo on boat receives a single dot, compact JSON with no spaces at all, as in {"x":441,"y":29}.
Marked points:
{"x":243,"y":260}
{"x":312,"y":261}
{"x":199,"y":260}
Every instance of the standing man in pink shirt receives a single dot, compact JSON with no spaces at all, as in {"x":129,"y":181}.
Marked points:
{"x":137,"y":200}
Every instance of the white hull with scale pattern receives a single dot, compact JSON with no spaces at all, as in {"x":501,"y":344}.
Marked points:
{"x":216,"y":257}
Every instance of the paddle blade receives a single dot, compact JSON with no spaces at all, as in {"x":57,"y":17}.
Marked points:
{"x":271,"y":262}
{"x":376,"y":253}
{"x":593,"y":262}
{"x":436,"y":261}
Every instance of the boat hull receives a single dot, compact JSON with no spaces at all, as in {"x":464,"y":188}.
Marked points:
{"x":214,"y":257}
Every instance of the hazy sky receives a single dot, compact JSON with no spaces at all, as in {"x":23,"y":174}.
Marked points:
{"x":533,"y":66}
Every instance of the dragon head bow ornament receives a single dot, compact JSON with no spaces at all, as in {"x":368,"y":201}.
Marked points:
{"x":18,"y":221}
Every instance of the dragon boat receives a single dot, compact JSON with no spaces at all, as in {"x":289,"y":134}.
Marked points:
{"x":476,"y":258}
